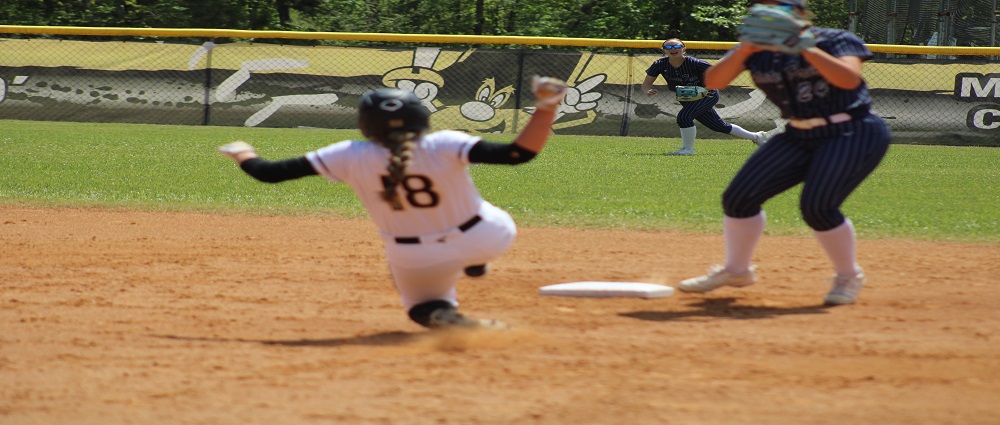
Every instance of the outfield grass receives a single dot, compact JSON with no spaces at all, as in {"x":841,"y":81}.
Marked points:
{"x":919,"y":192}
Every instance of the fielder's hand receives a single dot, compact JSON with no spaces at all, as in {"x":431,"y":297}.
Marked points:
{"x":777,"y":30}
{"x":238,"y":150}
{"x":549,"y":92}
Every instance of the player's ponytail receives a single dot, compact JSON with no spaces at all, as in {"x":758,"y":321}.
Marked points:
{"x":400,"y":145}
{"x":395,"y":119}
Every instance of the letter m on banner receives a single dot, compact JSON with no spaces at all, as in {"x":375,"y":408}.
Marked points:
{"x":972,"y":87}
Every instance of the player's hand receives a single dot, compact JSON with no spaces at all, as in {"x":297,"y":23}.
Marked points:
{"x":549,"y":92}
{"x":651,"y":92}
{"x":238,"y":150}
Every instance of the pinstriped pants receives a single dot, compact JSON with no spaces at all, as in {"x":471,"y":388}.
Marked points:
{"x":703,"y":110}
{"x":831,"y":161}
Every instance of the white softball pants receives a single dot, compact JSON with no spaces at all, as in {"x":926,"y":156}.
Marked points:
{"x":431,"y":269}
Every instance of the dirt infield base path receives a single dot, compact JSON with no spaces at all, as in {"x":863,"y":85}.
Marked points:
{"x":116,"y":317}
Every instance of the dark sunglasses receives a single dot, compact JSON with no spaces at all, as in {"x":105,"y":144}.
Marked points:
{"x":672,"y":47}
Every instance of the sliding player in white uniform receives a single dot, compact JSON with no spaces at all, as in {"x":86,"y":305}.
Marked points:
{"x":418,"y":191}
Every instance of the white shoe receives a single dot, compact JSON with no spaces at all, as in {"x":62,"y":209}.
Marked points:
{"x":844,"y":290}
{"x":717,"y":277}
{"x":682,"y":151}
{"x":759,"y":138}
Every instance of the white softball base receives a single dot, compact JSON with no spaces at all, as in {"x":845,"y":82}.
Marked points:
{"x":607,"y":290}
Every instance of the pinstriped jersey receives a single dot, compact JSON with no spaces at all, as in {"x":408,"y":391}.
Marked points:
{"x":797,"y":89}
{"x":437,"y":193}
{"x":690,"y":73}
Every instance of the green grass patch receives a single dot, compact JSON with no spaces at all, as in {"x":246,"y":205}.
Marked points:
{"x":919,"y":192}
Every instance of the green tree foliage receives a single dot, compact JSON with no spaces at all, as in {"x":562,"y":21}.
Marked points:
{"x":829,"y":13}
{"x":614,"y":19}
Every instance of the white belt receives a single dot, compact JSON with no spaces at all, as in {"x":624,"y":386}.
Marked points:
{"x":811,"y":123}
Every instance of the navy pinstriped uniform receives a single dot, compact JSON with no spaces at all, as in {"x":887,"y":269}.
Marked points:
{"x":691,"y":73}
{"x":831,"y":160}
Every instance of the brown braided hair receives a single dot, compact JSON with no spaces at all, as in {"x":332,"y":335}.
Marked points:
{"x":400,"y":145}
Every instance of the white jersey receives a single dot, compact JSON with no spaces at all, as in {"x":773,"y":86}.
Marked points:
{"x":437,"y":193}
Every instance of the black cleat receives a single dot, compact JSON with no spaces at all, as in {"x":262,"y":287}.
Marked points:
{"x":477,"y":271}
{"x":449,"y":318}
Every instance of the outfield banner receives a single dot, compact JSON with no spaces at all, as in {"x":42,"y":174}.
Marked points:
{"x":925,"y":100}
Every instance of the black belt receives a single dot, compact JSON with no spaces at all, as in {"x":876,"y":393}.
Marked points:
{"x":463,"y":227}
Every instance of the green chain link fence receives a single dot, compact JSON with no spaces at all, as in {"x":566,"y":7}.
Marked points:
{"x":929,"y":95}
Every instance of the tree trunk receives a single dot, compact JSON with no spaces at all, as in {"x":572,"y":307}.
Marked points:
{"x":284,"y":11}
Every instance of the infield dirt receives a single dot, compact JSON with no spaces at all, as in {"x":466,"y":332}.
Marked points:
{"x":120,"y":317}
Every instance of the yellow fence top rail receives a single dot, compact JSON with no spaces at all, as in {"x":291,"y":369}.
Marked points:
{"x":440,"y":38}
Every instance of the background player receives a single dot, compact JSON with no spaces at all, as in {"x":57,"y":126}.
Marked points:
{"x":678,"y":69}
{"x":831,"y":143}
{"x":418,"y":191}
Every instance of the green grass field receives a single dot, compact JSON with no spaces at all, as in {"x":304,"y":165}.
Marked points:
{"x":919,"y":192}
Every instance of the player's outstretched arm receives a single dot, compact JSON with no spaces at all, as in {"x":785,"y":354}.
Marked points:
{"x":724,"y":71}
{"x":266,"y":171}
{"x":549,"y":94}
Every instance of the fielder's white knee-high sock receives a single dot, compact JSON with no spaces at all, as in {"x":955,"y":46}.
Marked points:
{"x":840,"y":245}
{"x":741,"y":235}
{"x":740,"y":132}
{"x":687,"y":137}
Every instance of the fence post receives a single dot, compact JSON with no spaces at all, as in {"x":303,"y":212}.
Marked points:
{"x":207,"y":119}
{"x":890,"y":35}
{"x":852,"y":16}
{"x":993,"y":26}
{"x":944,"y":23}
{"x":520,"y":88}
{"x":623,"y":131}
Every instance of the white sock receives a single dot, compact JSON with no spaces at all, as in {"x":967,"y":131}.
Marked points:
{"x":840,"y":246}
{"x":741,"y":235}
{"x":687,"y":137}
{"x":740,"y":132}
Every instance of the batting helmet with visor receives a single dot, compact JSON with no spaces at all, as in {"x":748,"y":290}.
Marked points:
{"x":386,"y":111}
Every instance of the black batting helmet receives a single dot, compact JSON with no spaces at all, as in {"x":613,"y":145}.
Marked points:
{"x":387,"y":110}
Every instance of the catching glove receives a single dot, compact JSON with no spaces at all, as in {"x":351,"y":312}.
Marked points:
{"x":691,"y":93}
{"x":776,"y":29}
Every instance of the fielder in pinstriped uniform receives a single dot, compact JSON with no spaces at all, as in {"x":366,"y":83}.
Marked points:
{"x":416,"y":186}
{"x":680,"y":70}
{"x":831,"y":144}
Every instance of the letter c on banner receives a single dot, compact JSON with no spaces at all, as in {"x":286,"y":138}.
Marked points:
{"x":984,"y":117}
